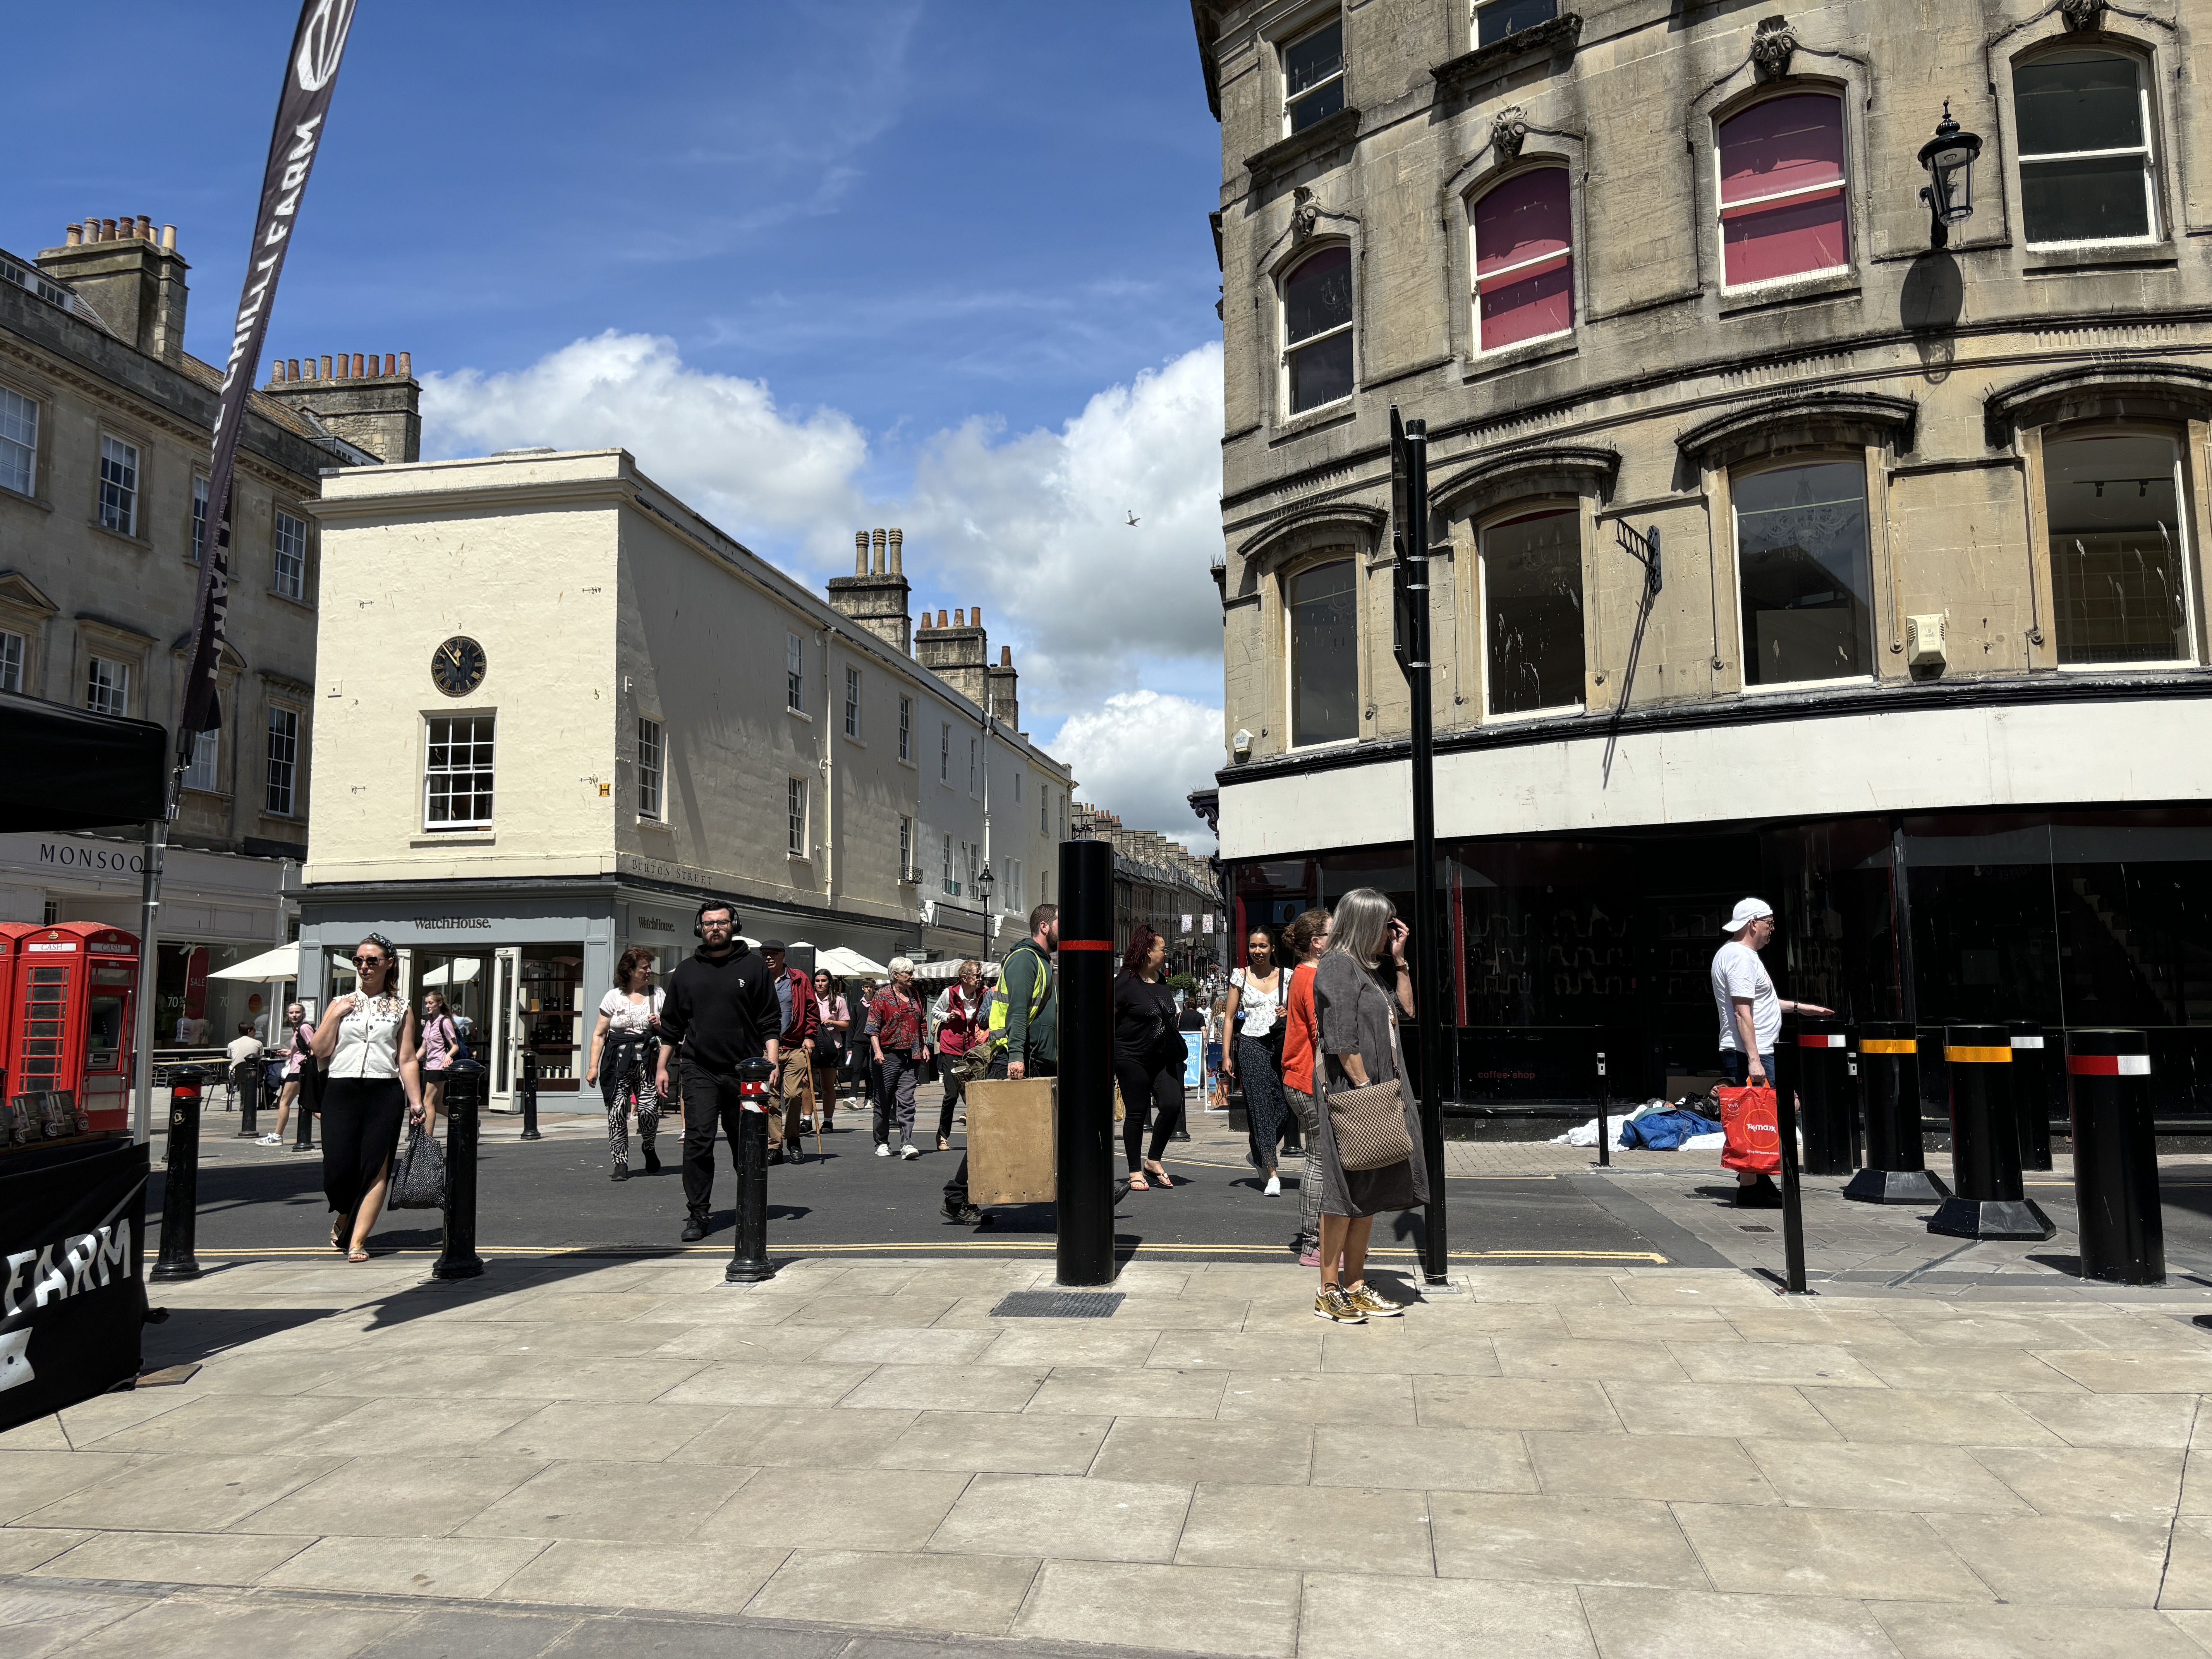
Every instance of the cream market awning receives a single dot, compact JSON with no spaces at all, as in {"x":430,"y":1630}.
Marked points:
{"x":283,"y":963}
{"x":849,"y":964}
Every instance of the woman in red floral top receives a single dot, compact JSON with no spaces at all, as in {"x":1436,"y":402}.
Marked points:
{"x":895,"y":1034}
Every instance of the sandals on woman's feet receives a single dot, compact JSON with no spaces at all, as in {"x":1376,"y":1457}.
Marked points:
{"x":359,"y":1253}
{"x":1160,"y":1178}
{"x":1138,"y":1184}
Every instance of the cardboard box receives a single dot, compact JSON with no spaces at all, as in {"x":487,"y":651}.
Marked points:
{"x":1011,"y":1151}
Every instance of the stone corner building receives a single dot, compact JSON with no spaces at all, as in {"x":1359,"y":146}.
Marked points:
{"x":105,"y":426}
{"x":1924,"y":665}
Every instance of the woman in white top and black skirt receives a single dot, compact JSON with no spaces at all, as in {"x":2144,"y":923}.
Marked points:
{"x":368,"y":1045}
{"x":1253,"y":1050}
{"x":625,"y":1049}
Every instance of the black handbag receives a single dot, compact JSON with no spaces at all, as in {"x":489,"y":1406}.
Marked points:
{"x":418,"y":1173}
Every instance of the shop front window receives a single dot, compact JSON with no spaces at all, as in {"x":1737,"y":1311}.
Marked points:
{"x":1532,"y":611}
{"x":1322,"y":607}
{"x":551,"y":981}
{"x":2119,"y":554}
{"x":1804,"y":572}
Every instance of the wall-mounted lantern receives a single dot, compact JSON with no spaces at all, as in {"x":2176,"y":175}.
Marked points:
{"x":1948,"y":158}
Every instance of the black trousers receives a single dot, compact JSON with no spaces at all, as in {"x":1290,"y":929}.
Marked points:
{"x":361,"y":1127}
{"x":709,"y":1103}
{"x":1156,"y":1090}
{"x":956,"y":1190}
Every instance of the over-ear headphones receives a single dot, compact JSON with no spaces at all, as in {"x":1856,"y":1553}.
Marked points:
{"x":699,"y":916}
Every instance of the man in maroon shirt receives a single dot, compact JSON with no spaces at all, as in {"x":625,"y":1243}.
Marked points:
{"x":802,"y":1017}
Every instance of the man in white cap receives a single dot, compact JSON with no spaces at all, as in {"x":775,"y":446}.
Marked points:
{"x":1751,"y":1020}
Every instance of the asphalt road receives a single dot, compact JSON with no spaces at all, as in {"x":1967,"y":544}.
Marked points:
{"x":553,"y":1196}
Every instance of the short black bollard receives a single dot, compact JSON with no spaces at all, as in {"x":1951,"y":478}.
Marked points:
{"x":463,"y":1099}
{"x":749,"y":1261}
{"x":2034,"y":1080}
{"x":249,"y":1100}
{"x":1824,"y":1090}
{"x":1784,"y":1084}
{"x":1990,"y":1202}
{"x":180,"y":1179}
{"x":1896,"y":1168}
{"x":311,"y":1092}
{"x":529,"y":1087}
{"x":2115,"y":1156}
{"x":1082,"y":1153}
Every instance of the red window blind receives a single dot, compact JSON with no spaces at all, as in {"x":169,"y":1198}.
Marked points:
{"x":1783,"y":211}
{"x":1524,"y":259}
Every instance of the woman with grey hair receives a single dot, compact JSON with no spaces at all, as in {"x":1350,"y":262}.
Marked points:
{"x":898,"y":1042}
{"x":1359,"y":990}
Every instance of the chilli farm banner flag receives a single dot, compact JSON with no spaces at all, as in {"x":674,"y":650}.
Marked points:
{"x":310,"y":73}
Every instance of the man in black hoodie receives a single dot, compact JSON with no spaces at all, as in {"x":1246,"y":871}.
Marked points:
{"x":721,"y":1008}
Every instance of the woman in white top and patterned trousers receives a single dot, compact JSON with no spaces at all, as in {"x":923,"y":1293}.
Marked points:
{"x":369,"y":1044}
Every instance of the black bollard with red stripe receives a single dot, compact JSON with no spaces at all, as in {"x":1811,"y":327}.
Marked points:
{"x":1083,"y":1154}
{"x":1825,"y":1097}
{"x":1990,"y":1202}
{"x":2115,"y":1156}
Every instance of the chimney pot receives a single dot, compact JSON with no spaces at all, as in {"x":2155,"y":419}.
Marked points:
{"x":356,"y":365}
{"x":276,"y":371}
{"x":960,"y":619}
{"x":292,"y":367}
{"x":407,"y":364}
{"x":169,"y":239}
{"x":107,"y":230}
{"x":977,"y":618}
{"x":881,"y":543}
{"x":72,"y":235}
{"x":145,"y":229}
{"x":941,"y":622}
{"x":1006,"y":656}
{"x":859,"y":552}
{"x":898,"y":540}
{"x":326,"y":368}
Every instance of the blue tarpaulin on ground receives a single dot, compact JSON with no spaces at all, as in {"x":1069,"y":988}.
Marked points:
{"x":1663,"y":1132}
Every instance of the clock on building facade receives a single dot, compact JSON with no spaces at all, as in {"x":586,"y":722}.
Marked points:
{"x":457,"y":667}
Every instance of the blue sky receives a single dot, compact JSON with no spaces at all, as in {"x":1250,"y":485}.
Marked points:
{"x":820,"y":266}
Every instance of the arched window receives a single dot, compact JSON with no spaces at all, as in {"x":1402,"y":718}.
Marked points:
{"x":1322,"y":610}
{"x":1782,"y":198}
{"x":1532,"y":611}
{"x":1803,"y":573}
{"x":2119,"y":551}
{"x":1318,"y":330}
{"x":2085,"y":159}
{"x":1523,"y":260}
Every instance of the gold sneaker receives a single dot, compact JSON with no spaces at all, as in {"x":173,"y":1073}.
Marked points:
{"x":1360,"y":1297}
{"x":1332,"y":1304}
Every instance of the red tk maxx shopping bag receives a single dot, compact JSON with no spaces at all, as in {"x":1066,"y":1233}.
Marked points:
{"x":1754,"y":1140}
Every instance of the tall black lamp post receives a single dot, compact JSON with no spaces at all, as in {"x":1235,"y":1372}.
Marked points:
{"x":1409,"y":525}
{"x":984,"y":882}
{"x":1948,"y":158}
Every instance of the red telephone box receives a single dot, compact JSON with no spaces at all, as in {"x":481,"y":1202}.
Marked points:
{"x":11,"y":935}
{"x":75,"y":986}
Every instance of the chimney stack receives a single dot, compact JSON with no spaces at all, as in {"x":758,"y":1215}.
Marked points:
{"x":136,"y":284}
{"x":1002,"y":683}
{"x":876,"y":593}
{"x":368,"y":398}
{"x":959,"y":655}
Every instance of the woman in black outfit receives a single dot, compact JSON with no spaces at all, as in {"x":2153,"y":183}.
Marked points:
{"x":1148,"y":1057}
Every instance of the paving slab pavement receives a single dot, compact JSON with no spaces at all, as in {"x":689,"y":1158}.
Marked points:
{"x":577,"y":1454}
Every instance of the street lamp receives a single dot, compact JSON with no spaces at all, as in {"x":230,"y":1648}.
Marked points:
{"x":1948,"y":158}
{"x":984,"y":882}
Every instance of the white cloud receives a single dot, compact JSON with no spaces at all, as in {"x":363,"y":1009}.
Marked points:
{"x":718,"y":440}
{"x":1140,"y":754}
{"x":1039,"y":524}
{"x":1034,"y":528}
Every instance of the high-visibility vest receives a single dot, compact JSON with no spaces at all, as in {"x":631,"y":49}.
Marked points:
{"x":996,"y":1043}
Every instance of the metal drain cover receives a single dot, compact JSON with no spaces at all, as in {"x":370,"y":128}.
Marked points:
{"x":1058,"y":1304}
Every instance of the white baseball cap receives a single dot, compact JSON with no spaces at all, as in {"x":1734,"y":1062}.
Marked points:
{"x":1747,"y":912}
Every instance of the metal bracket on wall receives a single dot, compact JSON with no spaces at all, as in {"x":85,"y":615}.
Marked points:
{"x":1644,"y":550}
